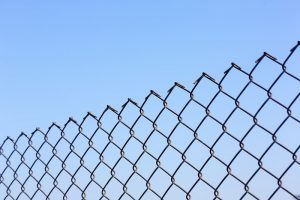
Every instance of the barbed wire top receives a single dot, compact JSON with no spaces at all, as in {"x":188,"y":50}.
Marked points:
{"x":237,"y":138}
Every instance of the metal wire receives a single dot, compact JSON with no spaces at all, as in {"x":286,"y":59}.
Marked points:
{"x":218,"y":140}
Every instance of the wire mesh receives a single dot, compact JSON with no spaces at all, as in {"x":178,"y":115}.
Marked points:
{"x":233,"y":139}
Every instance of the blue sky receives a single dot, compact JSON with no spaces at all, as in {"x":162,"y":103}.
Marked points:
{"x":64,"y":58}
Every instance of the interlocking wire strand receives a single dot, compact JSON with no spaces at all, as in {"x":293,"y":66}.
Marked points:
{"x":237,"y":138}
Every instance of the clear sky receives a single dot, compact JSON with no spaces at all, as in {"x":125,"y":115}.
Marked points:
{"x":64,"y":58}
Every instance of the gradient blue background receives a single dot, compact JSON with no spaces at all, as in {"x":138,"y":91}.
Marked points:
{"x":64,"y":58}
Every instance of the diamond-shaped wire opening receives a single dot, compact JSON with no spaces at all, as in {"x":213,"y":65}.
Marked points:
{"x":136,"y":186}
{"x":7,"y":148}
{"x":45,"y":152}
{"x":109,"y":120}
{"x":53,"y":135}
{"x":225,"y":190}
{"x":123,"y":170}
{"x":252,"y":98}
{"x":262,"y":185}
{"x":239,"y":130}
{"x":152,"y":107}
{"x":209,"y":131}
{"x":160,"y":182}
{"x":226,"y":148}
{"x":177,"y":99}
{"x":170,"y":160}
{"x":193,"y":114}
{"x":114,"y":189}
{"x":282,"y":92}
{"x":90,"y":159}
{"x":45,"y":183}
{"x":54,"y":166}
{"x":82,"y":177}
{"x":72,"y":162}
{"x":80,"y":144}
{"x":133,"y":150}
{"x":64,"y":181}
{"x":156,"y":144}
{"x":205,"y":91}
{"x":266,"y":72}
{"x":142,"y":129}
{"x":130,"y":114}
{"x":279,"y":163}
{"x":186,"y":176}
{"x":89,"y":126}
{"x":197,"y":154}
{"x":37,"y":173}
{"x":62,"y":149}
{"x":146,"y":165}
{"x":213,"y":172}
{"x":100,"y":140}
{"x":229,"y":83}
{"x":166,"y":122}
{"x":111,"y":155}
{"x":244,"y":166}
{"x":21,"y":144}
{"x":102,"y":174}
{"x":120,"y":135}
{"x":223,"y":103}
{"x":288,"y":134}
{"x":279,"y":115}
{"x":254,"y":147}
{"x":28,"y":185}
{"x":38,"y":139}
{"x":23,"y":172}
{"x":15,"y":159}
{"x":29,"y":156}
{"x":181,"y":137}
{"x":70,"y":131}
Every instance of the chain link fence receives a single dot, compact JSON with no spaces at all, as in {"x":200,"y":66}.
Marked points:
{"x":233,"y":139}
